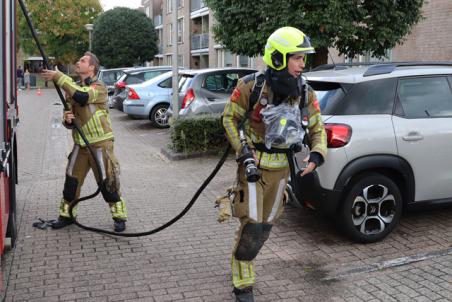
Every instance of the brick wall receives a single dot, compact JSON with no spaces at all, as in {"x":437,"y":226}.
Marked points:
{"x":431,"y":39}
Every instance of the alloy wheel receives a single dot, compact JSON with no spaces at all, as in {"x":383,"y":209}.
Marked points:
{"x":373,"y":210}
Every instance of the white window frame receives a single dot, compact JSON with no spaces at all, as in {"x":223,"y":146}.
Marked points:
{"x":180,"y":60}
{"x":228,"y":55}
{"x":180,"y":38}
{"x":170,"y":34}
{"x":169,"y":6}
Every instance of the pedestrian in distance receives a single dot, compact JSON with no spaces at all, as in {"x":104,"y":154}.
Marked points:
{"x":27,"y":79}
{"x":282,"y":97}
{"x":87,"y":100}
{"x":20,"y":77}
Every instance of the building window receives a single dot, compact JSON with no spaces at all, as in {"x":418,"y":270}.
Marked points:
{"x":180,"y":3}
{"x":169,"y":6}
{"x":169,"y":60}
{"x":243,"y":61}
{"x":220,"y":53}
{"x":180,"y":30}
{"x":160,"y":39}
{"x":367,"y":57}
{"x":180,"y":60}
{"x":170,"y":34}
{"x":227,"y":59}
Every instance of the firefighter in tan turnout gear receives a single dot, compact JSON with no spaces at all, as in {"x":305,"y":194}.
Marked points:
{"x":88,"y":103}
{"x":258,"y":204}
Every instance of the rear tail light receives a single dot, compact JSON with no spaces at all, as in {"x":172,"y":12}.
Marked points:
{"x":120,"y":85}
{"x":338,"y":135}
{"x":188,"y":98}
{"x":132,"y":95}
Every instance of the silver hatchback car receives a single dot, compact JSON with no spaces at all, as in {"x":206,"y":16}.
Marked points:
{"x":389,"y":129}
{"x":207,"y":90}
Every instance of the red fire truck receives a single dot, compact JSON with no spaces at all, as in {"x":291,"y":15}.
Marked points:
{"x":8,"y":124}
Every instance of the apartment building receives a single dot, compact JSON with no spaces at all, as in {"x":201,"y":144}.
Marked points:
{"x":429,"y":40}
{"x":196,"y":46}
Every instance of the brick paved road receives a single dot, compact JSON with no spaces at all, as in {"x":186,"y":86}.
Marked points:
{"x":305,"y":259}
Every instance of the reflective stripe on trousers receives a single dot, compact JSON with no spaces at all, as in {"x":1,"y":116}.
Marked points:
{"x":242,"y":273}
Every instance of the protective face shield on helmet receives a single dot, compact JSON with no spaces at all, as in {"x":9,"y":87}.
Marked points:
{"x":284,"y":41}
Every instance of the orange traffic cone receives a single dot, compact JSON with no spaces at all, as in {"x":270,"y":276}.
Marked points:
{"x":38,"y":92}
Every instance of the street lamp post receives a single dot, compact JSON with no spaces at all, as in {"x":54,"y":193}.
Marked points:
{"x":89,"y":28}
{"x":175,"y":100}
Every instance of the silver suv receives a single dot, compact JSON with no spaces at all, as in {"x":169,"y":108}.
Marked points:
{"x":389,"y":129}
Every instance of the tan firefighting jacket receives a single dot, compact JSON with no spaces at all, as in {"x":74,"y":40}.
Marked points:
{"x":237,"y":108}
{"x":92,"y":115}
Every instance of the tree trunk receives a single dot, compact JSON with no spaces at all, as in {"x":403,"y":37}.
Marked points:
{"x":320,"y":57}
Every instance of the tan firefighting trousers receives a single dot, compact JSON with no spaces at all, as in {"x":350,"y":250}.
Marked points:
{"x":79,"y":164}
{"x":259,"y":202}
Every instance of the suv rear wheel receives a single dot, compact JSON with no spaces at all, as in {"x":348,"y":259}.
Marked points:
{"x":158,"y":116}
{"x":371,"y":209}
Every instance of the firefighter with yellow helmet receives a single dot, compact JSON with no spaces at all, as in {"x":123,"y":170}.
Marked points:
{"x":258,"y":204}
{"x":88,"y":107}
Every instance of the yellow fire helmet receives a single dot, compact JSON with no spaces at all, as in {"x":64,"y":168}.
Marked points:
{"x":283,"y":41}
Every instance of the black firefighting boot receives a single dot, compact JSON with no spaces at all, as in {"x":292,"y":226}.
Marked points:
{"x":120,"y":225}
{"x":64,"y":219}
{"x":244,"y":294}
{"x":61,"y":222}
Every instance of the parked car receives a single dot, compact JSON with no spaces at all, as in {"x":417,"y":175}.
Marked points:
{"x":109,"y":77}
{"x":135,"y":76}
{"x":207,"y":90}
{"x":150,"y":99}
{"x":389,"y":138}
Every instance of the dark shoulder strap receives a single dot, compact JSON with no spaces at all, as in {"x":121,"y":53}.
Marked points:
{"x":259,"y":81}
{"x":304,"y":103}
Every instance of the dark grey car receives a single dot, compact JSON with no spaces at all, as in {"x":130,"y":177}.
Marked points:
{"x":109,"y":78}
{"x":207,"y":90}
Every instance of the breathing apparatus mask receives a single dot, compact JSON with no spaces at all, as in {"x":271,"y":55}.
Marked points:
{"x":283,"y":126}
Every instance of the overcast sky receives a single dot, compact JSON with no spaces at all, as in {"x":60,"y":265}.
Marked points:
{"x":109,"y":4}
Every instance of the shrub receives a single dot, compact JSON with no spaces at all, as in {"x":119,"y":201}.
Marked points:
{"x":201,"y":133}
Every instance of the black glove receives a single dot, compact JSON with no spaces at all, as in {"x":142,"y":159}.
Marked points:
{"x":316,"y":158}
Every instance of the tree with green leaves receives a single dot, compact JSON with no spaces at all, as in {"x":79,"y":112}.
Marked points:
{"x":60,"y":27}
{"x":124,"y":37}
{"x":354,"y":27}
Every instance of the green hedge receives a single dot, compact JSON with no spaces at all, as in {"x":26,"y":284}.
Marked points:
{"x":201,"y":133}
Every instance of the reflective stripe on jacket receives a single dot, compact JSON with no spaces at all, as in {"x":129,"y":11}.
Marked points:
{"x":237,"y":108}
{"x":92,"y":116}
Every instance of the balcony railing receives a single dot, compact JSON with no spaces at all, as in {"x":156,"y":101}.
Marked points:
{"x":200,"y":41}
{"x":158,"y":20}
{"x":196,"y":5}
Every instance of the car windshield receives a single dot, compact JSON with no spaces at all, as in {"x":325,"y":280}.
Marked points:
{"x":141,"y":76}
{"x":329,"y":95}
{"x":110,"y":77}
